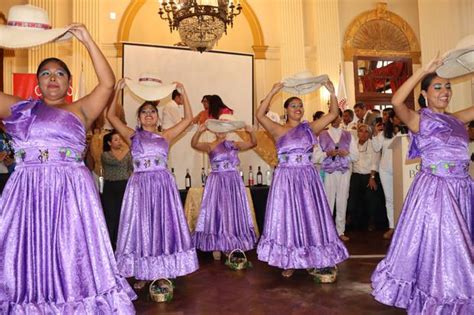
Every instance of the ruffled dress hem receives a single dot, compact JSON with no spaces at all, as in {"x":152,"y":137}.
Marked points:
{"x":224,"y":242}
{"x":156,"y":267}
{"x":301,"y":257}
{"x":405,"y":294}
{"x":114,"y":301}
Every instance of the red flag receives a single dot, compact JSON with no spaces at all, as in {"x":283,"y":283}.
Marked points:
{"x":25,"y":85}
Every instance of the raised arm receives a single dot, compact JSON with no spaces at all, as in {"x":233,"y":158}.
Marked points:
{"x":200,"y":146}
{"x":177,"y":129}
{"x":272,"y":127}
{"x":125,"y":131}
{"x":325,"y":120}
{"x":245,"y":145}
{"x":7,"y":101}
{"x":93,"y":104}
{"x":410,"y":117}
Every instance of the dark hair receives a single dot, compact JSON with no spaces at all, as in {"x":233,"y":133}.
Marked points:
{"x":318,"y":115}
{"x":351,"y":113}
{"x":175,"y":94}
{"x":206,"y":97}
{"x":471,"y":124}
{"x":216,"y":105}
{"x":388,"y":127}
{"x":61,"y":63}
{"x":425,"y":84}
{"x":388,"y":109}
{"x":291,"y":99}
{"x":360,"y":105}
{"x":108,"y":138}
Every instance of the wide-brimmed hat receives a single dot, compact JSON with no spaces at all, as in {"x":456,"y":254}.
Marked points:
{"x":29,"y":26}
{"x":303,"y":83}
{"x":459,"y":61}
{"x":149,"y":87}
{"x":225,"y":123}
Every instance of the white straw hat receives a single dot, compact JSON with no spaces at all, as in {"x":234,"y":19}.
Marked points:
{"x":459,"y":61}
{"x":149,"y":87}
{"x":303,"y":83}
{"x":225,"y":123}
{"x":29,"y":26}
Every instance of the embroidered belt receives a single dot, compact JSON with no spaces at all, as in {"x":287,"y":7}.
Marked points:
{"x":447,"y":169}
{"x":223,"y":166}
{"x":150,"y":163}
{"x":295,"y":159}
{"x":42,"y":155}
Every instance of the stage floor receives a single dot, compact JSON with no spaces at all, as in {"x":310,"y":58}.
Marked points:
{"x":215,"y":289}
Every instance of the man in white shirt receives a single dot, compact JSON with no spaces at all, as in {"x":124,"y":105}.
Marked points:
{"x":365,"y":193}
{"x":340,"y":150}
{"x":172,"y":112}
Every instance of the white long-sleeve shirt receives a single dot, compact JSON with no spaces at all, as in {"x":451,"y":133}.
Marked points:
{"x":382,"y":144}
{"x":368,"y":159}
{"x":171,"y":115}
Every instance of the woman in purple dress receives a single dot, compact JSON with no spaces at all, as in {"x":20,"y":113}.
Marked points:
{"x":55,"y":253}
{"x":225,"y":221}
{"x":429,"y":267}
{"x":299,"y":231}
{"x":153,"y":238}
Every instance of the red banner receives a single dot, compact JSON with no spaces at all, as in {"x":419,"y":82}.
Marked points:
{"x":25,"y":86}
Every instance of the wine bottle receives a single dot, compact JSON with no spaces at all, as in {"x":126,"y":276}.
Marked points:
{"x":268,"y":177}
{"x":172,"y":173}
{"x":251,"y":179}
{"x":241,"y":173}
{"x":259,"y":176}
{"x":203,"y":177}
{"x":187,"y":179}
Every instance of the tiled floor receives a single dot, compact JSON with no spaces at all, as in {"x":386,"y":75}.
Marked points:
{"x":215,"y":289}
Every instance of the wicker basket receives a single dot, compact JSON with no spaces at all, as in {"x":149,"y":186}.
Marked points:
{"x":161,"y":290}
{"x":237,"y":263}
{"x":324,"y":275}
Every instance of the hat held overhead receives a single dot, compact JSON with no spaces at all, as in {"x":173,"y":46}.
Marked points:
{"x":149,"y":87}
{"x":303,"y":83}
{"x":459,"y":61}
{"x":28,"y":26}
{"x":225,"y":123}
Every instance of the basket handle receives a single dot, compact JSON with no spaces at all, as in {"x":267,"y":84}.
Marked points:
{"x":237,"y":250}
{"x":151,"y":284}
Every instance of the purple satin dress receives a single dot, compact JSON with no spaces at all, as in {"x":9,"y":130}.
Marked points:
{"x":153,"y":237}
{"x":299,"y":230}
{"x":225,"y":221}
{"x":55,"y":253}
{"x":429,"y":267}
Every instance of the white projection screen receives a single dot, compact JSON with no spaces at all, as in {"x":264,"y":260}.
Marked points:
{"x":229,"y":75}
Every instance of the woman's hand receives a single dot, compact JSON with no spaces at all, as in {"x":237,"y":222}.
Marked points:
{"x":202,"y":128}
{"x":330,"y":87}
{"x":434,"y":64}
{"x":179,"y":85}
{"x":80,"y":32}
{"x":276,"y":87}
{"x":120,"y":84}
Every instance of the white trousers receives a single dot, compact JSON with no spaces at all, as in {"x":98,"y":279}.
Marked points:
{"x":337,"y":191}
{"x":387,"y":185}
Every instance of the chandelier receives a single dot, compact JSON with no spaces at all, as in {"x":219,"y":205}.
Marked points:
{"x":200,"y":23}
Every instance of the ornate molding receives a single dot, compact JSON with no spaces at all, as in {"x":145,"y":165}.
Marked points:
{"x":380,"y":32}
